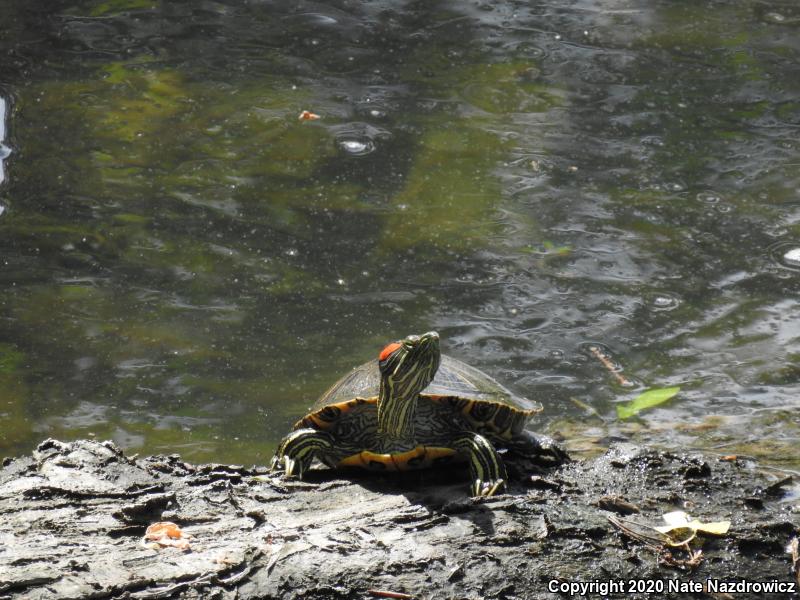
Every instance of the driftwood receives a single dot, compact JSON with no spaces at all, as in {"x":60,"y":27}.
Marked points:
{"x":73,"y":515}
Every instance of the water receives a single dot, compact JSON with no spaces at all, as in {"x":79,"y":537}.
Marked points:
{"x":186,"y":265}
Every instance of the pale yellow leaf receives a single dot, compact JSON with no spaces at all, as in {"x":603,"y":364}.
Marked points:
{"x":679,"y":520}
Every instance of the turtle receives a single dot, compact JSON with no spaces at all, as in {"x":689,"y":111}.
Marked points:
{"x":412,"y":408}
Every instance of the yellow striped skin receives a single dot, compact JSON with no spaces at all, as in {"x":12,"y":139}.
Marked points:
{"x":406,"y":368}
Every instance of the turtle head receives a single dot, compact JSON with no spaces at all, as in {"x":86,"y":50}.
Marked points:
{"x":407,"y":367}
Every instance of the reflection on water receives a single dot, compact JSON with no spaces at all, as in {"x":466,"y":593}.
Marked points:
{"x":186,"y":264}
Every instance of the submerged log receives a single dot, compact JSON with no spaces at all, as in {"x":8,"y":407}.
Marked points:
{"x":73,"y":516}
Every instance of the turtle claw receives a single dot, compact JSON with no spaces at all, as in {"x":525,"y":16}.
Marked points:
{"x":485,"y":466}
{"x":484,"y":489}
{"x":288,"y":466}
{"x":295,"y":467}
{"x":297,"y":451}
{"x":278,"y":464}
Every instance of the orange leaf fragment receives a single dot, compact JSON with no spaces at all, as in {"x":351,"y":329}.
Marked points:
{"x":163,"y":528}
{"x":307,"y":115}
{"x":166,"y":533}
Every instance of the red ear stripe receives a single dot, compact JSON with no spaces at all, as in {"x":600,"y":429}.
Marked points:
{"x":388,"y":350}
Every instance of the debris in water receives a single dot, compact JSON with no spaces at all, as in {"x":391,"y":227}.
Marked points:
{"x":647,"y":399}
{"x":307,"y":115}
{"x":608,"y":364}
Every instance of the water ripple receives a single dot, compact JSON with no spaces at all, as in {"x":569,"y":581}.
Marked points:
{"x":310,"y":20}
{"x":786,"y":254}
{"x":664,"y":301}
{"x":358,"y":139}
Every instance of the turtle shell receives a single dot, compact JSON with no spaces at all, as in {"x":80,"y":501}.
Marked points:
{"x":460,"y":398}
{"x":454,"y":378}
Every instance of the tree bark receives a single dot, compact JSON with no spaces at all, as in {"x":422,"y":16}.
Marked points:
{"x":73,"y":515}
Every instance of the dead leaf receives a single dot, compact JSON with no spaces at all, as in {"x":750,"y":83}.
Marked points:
{"x":681,"y":528}
{"x":165,"y":533}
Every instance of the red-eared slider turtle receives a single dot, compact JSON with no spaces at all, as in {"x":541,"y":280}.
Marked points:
{"x":376,"y":417}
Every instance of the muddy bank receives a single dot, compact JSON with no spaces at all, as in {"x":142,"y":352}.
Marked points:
{"x":73,"y":515}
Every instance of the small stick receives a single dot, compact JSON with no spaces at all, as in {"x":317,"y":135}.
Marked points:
{"x":387,"y":594}
{"x":587,"y":408}
{"x":648,"y":541}
{"x":606,"y":362}
{"x":695,"y":556}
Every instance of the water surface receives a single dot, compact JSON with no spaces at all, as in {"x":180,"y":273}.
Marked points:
{"x":186,"y":265}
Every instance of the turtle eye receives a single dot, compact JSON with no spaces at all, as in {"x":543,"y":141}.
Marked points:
{"x":388,"y":350}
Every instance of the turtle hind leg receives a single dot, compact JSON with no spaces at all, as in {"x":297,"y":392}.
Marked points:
{"x":540,"y":450}
{"x":488,"y":474}
{"x":298,"y":449}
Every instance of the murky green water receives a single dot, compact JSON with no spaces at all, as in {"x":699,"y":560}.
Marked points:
{"x":186,"y":265}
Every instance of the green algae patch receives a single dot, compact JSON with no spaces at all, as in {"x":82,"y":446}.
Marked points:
{"x":451,"y":192}
{"x":141,"y":103}
{"x":10,"y":359}
{"x":287,"y":280}
{"x":345,"y":198}
{"x":113,"y":7}
{"x":149,"y":127}
{"x":15,"y":423}
{"x":692,"y":26}
{"x":784,"y":374}
{"x":546,"y":249}
{"x":163,"y":159}
{"x":504,"y":88}
{"x":131,"y":219}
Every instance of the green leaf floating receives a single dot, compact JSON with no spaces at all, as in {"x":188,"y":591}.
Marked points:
{"x":646,"y":399}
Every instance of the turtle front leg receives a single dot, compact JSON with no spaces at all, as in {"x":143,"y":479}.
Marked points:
{"x":486,"y":468}
{"x":298,"y":449}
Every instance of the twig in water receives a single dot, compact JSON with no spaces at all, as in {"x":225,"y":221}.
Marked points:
{"x":606,"y":362}
{"x":587,"y":408}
